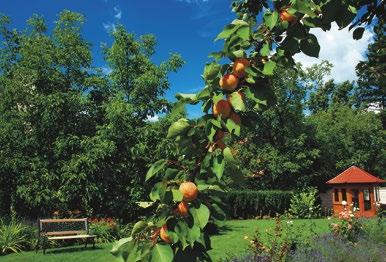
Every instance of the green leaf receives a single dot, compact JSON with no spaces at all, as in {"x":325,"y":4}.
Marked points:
{"x":158,"y":191}
{"x":352,"y":9}
{"x":330,"y":11}
{"x":200,"y":215}
{"x":181,"y":230}
{"x":227,"y":32}
{"x":177,"y":195}
{"x":171,"y":173}
{"x":310,"y":46}
{"x":155,"y":168}
{"x":237,"y":101}
{"x":270,"y":19}
{"x":358,"y":33}
{"x":218,"y":166}
{"x":193,"y":234}
{"x":269,"y":67}
{"x":162,"y":253}
{"x":291,"y":45}
{"x":122,"y":247}
{"x":211,"y":71}
{"x":138,"y":227}
{"x":178,"y":127}
{"x":228,"y":156}
{"x":233,"y":127}
{"x":238,"y":54}
{"x":239,"y":22}
{"x":243,"y":32}
{"x":187,"y":98}
{"x":265,"y":50}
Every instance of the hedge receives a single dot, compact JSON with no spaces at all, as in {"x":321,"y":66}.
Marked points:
{"x":251,"y":204}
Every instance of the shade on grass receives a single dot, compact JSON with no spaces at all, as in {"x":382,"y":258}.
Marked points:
{"x":229,"y":242}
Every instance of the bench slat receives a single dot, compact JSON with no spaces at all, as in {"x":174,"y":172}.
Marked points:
{"x":61,"y":233}
{"x":71,"y":237}
{"x":63,"y":220}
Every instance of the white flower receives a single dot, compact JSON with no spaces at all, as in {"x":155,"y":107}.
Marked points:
{"x":344,"y":203}
{"x":329,"y":218}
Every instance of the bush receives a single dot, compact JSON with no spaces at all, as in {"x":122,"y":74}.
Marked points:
{"x":14,"y":237}
{"x":375,"y":229}
{"x":304,"y":204}
{"x":106,"y":229}
{"x":250,"y":204}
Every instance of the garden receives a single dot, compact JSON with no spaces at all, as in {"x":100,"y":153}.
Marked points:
{"x":99,"y":163}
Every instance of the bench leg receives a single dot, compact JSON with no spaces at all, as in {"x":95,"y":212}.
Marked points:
{"x":93,"y":242}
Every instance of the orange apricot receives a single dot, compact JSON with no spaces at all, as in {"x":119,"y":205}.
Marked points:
{"x":229,"y":82}
{"x":183,"y":209}
{"x":222,"y":108}
{"x":285,"y":16}
{"x":164,"y":236}
{"x":189,"y":191}
{"x":239,"y":66}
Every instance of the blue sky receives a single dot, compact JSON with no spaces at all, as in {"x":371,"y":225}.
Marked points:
{"x":187,"y":27}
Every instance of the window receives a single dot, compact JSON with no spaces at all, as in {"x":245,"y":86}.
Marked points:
{"x":344,"y":195}
{"x":355,"y":198}
{"x":366,"y":198}
{"x":336,"y":195}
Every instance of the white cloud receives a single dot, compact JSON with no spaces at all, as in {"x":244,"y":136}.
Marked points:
{"x":338,"y":47}
{"x":109,"y":26}
{"x":106,"y":70}
{"x":118,"y":13}
{"x":153,"y":118}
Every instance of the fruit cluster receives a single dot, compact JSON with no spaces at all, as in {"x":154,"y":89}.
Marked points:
{"x":189,"y":193}
{"x":229,"y":83}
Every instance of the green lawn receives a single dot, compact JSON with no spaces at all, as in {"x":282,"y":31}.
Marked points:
{"x":229,"y":242}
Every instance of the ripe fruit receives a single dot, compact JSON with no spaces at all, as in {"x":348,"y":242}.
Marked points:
{"x":183,"y":209}
{"x":239,"y":66}
{"x":235,"y":117}
{"x":164,"y":236}
{"x":229,"y":82}
{"x":220,"y":144}
{"x":285,"y":16}
{"x":222,"y":108}
{"x":189,"y":191}
{"x":219,"y":135}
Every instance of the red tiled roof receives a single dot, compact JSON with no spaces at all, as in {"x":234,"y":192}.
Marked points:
{"x":354,"y":175}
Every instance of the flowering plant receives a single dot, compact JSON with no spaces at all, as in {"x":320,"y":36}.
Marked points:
{"x":348,"y":225}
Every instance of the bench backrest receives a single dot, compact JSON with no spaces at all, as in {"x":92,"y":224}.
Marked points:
{"x":63,"y":227}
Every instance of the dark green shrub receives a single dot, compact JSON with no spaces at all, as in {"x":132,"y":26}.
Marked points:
{"x":250,"y":204}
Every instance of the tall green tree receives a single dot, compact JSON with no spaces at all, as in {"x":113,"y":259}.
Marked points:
{"x":71,"y":134}
{"x":280,"y":151}
{"x":349,"y":137}
{"x":372,"y":72}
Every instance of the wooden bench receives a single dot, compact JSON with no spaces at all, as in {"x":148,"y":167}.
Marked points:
{"x":63,"y":229}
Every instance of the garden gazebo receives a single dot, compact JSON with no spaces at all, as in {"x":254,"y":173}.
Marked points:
{"x":358,"y":188}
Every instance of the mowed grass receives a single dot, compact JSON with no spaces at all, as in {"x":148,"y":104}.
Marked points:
{"x":229,"y":242}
